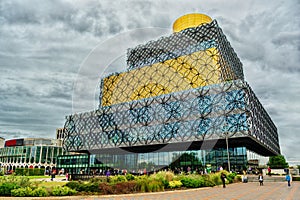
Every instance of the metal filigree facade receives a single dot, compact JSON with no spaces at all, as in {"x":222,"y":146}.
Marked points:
{"x":192,"y":58}
{"x":183,"y":88}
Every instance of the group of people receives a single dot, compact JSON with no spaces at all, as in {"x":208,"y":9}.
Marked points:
{"x":53,"y":173}
{"x":143,"y":171}
{"x":223,"y":177}
{"x":288,"y":178}
{"x":261,"y":177}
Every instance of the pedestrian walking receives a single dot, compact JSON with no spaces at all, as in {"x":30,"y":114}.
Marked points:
{"x":288,"y":179}
{"x":244,"y":177}
{"x":261,"y":179}
{"x":67,"y":176}
{"x":53,"y":173}
{"x":107,"y":175}
{"x":223,"y":178}
{"x":269,"y":170}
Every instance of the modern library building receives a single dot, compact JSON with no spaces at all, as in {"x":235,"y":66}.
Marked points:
{"x":181,"y":103}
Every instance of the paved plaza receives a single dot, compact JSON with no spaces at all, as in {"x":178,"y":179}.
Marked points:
{"x":238,"y":191}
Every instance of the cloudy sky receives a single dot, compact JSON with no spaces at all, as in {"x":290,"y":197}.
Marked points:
{"x":44,"y":46}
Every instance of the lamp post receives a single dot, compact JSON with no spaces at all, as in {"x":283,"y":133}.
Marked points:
{"x":228,"y":158}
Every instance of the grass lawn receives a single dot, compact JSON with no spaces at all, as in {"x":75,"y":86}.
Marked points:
{"x":50,"y":184}
{"x":35,"y":177}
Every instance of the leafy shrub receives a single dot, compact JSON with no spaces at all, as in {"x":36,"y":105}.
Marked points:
{"x":91,"y":187}
{"x":19,"y":172}
{"x":192,"y":181}
{"x":40,"y":192}
{"x":150,"y":184}
{"x":8,"y":183}
{"x":83,"y":187}
{"x":230,"y":177}
{"x":175,"y":184}
{"x":62,"y":191}
{"x":207,"y":181}
{"x":105,"y":188}
{"x":117,"y":179}
{"x":142,"y":184}
{"x":216,"y":178}
{"x":169,"y":176}
{"x":155,"y":186}
{"x":163,"y":177}
{"x":6,"y":188}
{"x":98,"y":179}
{"x":238,"y":178}
{"x":28,"y":192}
{"x":22,"y":192}
{"x":130,"y":177}
{"x":295,"y":178}
{"x":124,"y":187}
{"x":75,"y":185}
{"x":29,"y":171}
{"x":20,"y":181}
{"x":118,"y":188}
{"x":21,"y":186}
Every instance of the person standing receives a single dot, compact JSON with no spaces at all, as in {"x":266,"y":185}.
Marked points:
{"x":67,"y":176}
{"x":269,"y":170}
{"x":244,"y":177}
{"x":261,"y":179}
{"x":189,"y":170}
{"x":223,"y":178}
{"x":107,"y":175}
{"x":53,"y":173}
{"x":288,"y":179}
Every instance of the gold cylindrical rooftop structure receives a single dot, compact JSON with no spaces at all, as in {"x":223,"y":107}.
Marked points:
{"x":189,"y":21}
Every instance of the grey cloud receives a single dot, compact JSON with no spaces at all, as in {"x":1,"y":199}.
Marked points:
{"x":287,"y":38}
{"x":15,"y":13}
{"x":43,"y":44}
{"x":27,"y":87}
{"x":34,"y":11}
{"x":50,"y":13}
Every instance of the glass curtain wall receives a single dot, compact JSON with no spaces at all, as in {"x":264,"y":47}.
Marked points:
{"x":136,"y":162}
{"x":29,"y":155}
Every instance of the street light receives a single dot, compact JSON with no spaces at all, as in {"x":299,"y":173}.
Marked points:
{"x":226,"y":137}
{"x":228,"y":158}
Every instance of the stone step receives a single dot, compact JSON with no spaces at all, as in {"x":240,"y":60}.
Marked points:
{"x":267,"y":178}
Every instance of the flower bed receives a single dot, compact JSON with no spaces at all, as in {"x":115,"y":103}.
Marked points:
{"x":120,"y":184}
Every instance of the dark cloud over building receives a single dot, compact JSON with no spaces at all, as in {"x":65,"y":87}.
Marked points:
{"x":44,"y":43}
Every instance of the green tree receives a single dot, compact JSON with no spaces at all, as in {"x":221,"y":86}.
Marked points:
{"x":186,"y":159}
{"x":277,"y":162}
{"x":149,"y":166}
